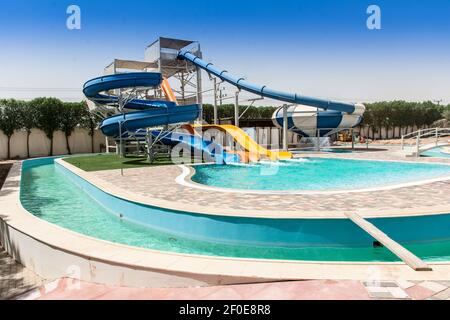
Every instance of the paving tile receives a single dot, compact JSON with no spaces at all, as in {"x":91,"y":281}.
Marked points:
{"x":419,"y":293}
{"x":289,"y":290}
{"x":381,"y":295}
{"x":433,"y":286}
{"x":443,"y":295}
{"x":444,"y":283}
{"x":377,"y":289}
{"x":14,"y":278}
{"x":389,"y":284}
{"x":398,"y":293}
{"x":404,"y":284}
{"x":433,"y":298}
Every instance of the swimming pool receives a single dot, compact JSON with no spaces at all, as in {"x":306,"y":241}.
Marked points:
{"x":325,"y":150}
{"x":53,"y":193}
{"x":316,"y":174}
{"x":437,"y":152}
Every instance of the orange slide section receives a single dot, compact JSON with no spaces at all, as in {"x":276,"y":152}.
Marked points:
{"x":168,"y":92}
{"x":256,"y":152}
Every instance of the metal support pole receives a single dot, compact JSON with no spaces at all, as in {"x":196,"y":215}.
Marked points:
{"x":199,"y":94}
{"x":149,"y":138}
{"x":353,"y":139}
{"x":121,"y":147}
{"x":318,"y":139}
{"x":120,"y":140}
{"x":418,"y":144}
{"x":107,"y":144}
{"x":285,"y":127}
{"x":221,"y":96}
{"x":236,"y":109}
{"x":437,"y":136}
{"x":215,"y":101}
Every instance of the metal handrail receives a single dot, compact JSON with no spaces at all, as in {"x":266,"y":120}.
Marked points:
{"x":424,"y":133}
{"x":414,"y":133}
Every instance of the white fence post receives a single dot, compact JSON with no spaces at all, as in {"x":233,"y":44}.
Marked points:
{"x":418,"y":143}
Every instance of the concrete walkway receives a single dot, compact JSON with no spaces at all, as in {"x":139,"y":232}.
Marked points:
{"x":289,"y":290}
{"x":17,"y":282}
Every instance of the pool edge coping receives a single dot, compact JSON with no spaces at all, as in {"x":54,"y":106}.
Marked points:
{"x":185,"y":179}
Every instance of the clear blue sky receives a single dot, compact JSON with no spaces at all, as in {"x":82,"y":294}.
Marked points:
{"x":316,"y":47}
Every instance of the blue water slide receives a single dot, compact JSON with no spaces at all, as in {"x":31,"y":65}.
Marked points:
{"x":92,"y":89}
{"x":149,"y":113}
{"x":267,"y":92}
{"x":211,"y":151}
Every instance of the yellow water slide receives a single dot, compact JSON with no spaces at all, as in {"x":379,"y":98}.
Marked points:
{"x":249,"y":145}
{"x":252,"y":150}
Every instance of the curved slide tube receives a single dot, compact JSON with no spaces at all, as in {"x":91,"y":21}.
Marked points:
{"x":308,"y":122}
{"x":254,"y":150}
{"x":270,"y":93}
{"x":150,"y":113}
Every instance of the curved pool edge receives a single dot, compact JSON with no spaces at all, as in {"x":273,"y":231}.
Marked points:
{"x":188,"y":171}
{"x":35,"y":242}
{"x":185,"y":179}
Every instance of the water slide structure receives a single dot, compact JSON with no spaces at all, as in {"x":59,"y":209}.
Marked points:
{"x":307,"y":116}
{"x":151,"y":113}
{"x":304,"y":115}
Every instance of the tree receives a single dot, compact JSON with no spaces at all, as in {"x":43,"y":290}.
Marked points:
{"x":446,"y":113}
{"x":48,"y":116}
{"x":70,"y":119}
{"x":90,"y":121}
{"x":10,"y":120}
{"x":28,"y":120}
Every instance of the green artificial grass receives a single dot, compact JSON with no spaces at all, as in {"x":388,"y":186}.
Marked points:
{"x":113,"y":161}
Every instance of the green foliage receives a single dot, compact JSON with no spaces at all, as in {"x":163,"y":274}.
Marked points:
{"x":446,"y":113}
{"x":226,"y":111}
{"x":90,"y":121}
{"x":28,"y":119}
{"x":72,"y":115}
{"x":49,"y":112}
{"x":401,"y":114}
{"x":10,"y":120}
{"x":28,"y":116}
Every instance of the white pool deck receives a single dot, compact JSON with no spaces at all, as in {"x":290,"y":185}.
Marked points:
{"x":54,"y":252}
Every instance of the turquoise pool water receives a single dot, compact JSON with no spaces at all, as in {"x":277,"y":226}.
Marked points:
{"x":329,"y":150}
{"x":436,"y":152}
{"x":47,"y":193}
{"x":316,"y":174}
